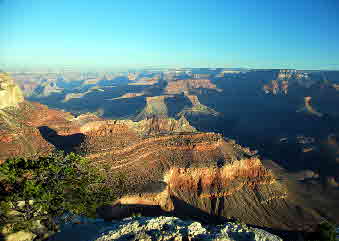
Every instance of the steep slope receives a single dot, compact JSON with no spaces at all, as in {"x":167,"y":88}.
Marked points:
{"x":204,"y":176}
{"x":30,"y":129}
{"x":200,"y":174}
{"x":33,"y":129}
{"x":104,"y":138}
{"x":197,"y":109}
{"x":18,"y":137}
{"x":155,"y":106}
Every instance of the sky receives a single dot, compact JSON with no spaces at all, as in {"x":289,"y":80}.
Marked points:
{"x":301,"y":34}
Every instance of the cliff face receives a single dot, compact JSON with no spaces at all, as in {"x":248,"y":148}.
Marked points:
{"x":10,"y":94}
{"x":197,"y":110}
{"x":204,"y":175}
{"x":103,"y":138}
{"x":32,"y":128}
{"x":179,"y":86}
{"x":129,"y":95}
{"x":155,"y":106}
{"x":27,"y":129}
{"x":284,"y":79}
{"x":244,"y":190}
{"x":17,"y":137}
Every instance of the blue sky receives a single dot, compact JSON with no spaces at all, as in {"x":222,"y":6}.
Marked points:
{"x":301,"y":34}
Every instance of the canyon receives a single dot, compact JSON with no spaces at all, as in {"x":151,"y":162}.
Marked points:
{"x":180,"y":150}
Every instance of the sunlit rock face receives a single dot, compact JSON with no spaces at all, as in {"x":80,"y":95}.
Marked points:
{"x":244,"y":190}
{"x":155,"y":106}
{"x":197,"y":109}
{"x":205,"y":176}
{"x":179,"y":86}
{"x":10,"y":94}
{"x":280,"y":84}
{"x":32,"y":129}
{"x":283,"y":81}
{"x":104,"y":138}
{"x":17,"y":136}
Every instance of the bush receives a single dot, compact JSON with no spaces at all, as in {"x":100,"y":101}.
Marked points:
{"x":325,"y":232}
{"x":41,"y":189}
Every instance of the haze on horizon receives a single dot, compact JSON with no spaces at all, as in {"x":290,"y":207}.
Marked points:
{"x":135,"y":34}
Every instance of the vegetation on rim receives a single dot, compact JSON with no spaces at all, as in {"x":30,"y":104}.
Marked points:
{"x":35,"y":191}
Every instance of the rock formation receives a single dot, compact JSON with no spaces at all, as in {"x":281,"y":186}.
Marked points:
{"x":171,"y":228}
{"x":79,"y":228}
{"x":25,"y":127}
{"x":201,"y":171}
{"x":197,"y":109}
{"x":155,"y":106}
{"x":309,"y":108}
{"x":285,"y":78}
{"x":179,"y":86}
{"x":196,"y":174}
{"x":17,"y":137}
{"x":128,"y":95}
{"x":104,"y":138}
{"x":10,"y":94}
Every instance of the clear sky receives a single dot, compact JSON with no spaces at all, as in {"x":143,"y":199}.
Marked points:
{"x":301,"y":34}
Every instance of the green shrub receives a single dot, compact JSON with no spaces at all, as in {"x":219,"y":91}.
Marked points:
{"x":325,"y":232}
{"x":46,"y":187}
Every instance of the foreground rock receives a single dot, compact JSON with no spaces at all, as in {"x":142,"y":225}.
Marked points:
{"x":172,"y":228}
{"x":159,"y":228}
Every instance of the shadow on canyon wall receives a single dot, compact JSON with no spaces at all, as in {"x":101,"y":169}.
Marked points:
{"x":68,"y":144}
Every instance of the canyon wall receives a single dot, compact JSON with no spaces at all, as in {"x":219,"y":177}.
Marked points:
{"x":10,"y":94}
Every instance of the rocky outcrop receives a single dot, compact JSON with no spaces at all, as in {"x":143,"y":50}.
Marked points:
{"x":10,"y":93}
{"x":79,"y":228}
{"x":104,"y":138}
{"x":281,"y":81}
{"x":204,"y":175}
{"x":172,"y":228}
{"x":284,"y":79}
{"x":146,"y":127}
{"x":179,"y":86}
{"x":27,"y":129}
{"x":309,"y":107}
{"x":128,"y":95}
{"x":197,"y":109}
{"x":276,"y":86}
{"x":17,"y":137}
{"x":243,"y":189}
{"x":155,"y":107}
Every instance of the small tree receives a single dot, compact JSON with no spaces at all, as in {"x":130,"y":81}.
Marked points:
{"x":325,"y":232}
{"x":41,"y":189}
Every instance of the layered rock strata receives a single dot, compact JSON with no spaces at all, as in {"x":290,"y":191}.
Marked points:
{"x":10,"y":94}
